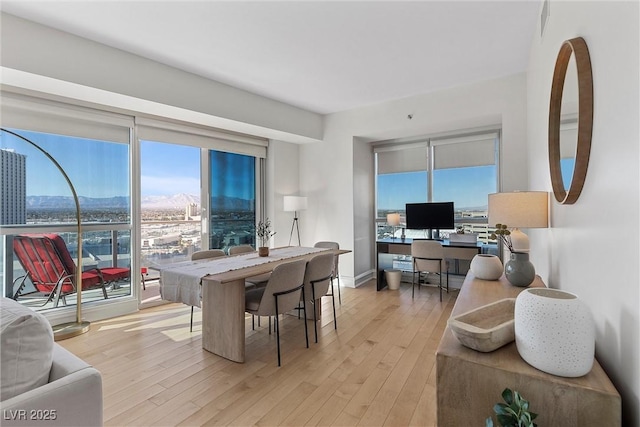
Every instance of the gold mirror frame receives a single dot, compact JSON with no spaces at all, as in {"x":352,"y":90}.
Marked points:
{"x":578,"y":48}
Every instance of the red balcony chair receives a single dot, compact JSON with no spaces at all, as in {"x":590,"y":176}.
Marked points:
{"x":48,"y":264}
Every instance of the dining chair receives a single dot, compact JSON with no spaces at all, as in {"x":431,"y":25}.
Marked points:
{"x":428,"y":257}
{"x":204,"y":254}
{"x":255,"y":281}
{"x":240,"y":249}
{"x":283,"y":293}
{"x":207,"y":253}
{"x":335,"y":274}
{"x":317,"y":280}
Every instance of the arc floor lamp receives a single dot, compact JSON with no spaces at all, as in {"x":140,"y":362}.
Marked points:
{"x":70,"y":329}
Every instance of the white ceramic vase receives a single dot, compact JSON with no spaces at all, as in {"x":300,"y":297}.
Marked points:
{"x":486,"y":267}
{"x":554,"y":332}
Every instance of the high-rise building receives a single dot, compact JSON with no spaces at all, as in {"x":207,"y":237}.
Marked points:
{"x":13,"y":182}
{"x":191,"y":211}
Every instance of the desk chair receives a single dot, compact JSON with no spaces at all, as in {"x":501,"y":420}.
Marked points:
{"x":283,"y":293}
{"x":205,"y":254}
{"x":336,"y":273}
{"x":428,"y":257}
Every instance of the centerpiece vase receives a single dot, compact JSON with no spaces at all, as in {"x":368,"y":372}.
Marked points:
{"x":519,"y":270}
{"x":263,"y":251}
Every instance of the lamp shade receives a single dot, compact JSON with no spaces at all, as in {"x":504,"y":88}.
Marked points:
{"x":522,"y":209}
{"x":393,"y":219}
{"x":295,"y":203}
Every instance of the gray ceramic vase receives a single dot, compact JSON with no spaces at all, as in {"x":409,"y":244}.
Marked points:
{"x":519,"y":270}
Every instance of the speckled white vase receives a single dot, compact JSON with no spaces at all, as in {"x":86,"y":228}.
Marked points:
{"x":486,"y":267}
{"x":555,"y":332}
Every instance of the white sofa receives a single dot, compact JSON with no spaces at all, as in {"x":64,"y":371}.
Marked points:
{"x":43,"y":383}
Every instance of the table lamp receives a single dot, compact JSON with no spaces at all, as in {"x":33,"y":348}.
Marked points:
{"x":393,"y":219}
{"x":519,"y":209}
{"x":295,"y":204}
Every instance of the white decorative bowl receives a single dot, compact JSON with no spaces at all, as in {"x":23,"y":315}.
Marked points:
{"x":485,"y":328}
{"x":486,"y":267}
{"x":555,"y":332}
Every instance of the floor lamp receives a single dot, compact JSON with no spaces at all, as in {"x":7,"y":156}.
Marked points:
{"x":70,"y":329}
{"x":295,"y":204}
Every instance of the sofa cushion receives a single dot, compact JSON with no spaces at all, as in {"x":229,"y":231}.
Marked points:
{"x":26,"y":349}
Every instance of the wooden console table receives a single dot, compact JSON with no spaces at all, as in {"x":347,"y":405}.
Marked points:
{"x":470,"y":383}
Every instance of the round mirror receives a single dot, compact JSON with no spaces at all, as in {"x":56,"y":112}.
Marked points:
{"x":570,"y":120}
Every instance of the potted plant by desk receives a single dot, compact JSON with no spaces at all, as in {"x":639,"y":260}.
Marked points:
{"x":264,"y":234}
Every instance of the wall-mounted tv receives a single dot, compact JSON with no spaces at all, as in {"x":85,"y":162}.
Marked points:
{"x":435,"y":215}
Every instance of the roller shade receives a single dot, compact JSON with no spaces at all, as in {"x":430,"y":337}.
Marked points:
{"x":209,"y":138}
{"x":407,"y":160}
{"x":23,"y":112}
{"x":468,"y":151}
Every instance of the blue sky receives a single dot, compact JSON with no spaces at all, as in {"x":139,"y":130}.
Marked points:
{"x":100,"y":169}
{"x":466,"y":187}
{"x":168,"y":169}
{"x":94,"y":168}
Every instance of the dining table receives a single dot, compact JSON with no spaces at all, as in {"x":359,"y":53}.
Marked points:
{"x":217,"y":285}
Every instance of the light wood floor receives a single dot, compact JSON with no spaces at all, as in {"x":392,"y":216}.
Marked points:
{"x":378,"y":368}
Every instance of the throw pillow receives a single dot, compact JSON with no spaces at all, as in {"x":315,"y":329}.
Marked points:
{"x":26,"y":349}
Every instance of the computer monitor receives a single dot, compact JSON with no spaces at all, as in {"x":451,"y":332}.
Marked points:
{"x":430,"y":216}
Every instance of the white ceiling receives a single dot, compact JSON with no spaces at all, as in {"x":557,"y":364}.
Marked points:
{"x":323,"y":56}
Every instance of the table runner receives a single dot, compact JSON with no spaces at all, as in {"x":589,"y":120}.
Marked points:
{"x":181,"y":281}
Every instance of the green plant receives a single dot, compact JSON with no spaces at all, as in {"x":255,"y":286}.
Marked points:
{"x":263,"y":230}
{"x":514,"y":413}
{"x":503,"y":233}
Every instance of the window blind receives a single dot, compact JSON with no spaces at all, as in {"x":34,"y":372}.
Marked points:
{"x":466,"y":151}
{"x":40,"y":115}
{"x":209,"y":138}
{"x":407,"y":160}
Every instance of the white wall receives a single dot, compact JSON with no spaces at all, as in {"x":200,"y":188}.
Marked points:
{"x":283,"y":180}
{"x":337,"y":171}
{"x":592,"y":247}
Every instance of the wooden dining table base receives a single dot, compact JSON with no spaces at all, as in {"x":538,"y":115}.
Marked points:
{"x":223,"y":319}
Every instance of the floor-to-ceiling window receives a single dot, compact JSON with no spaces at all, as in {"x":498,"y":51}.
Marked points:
{"x":150,"y":191}
{"x":458,"y":168}
{"x":199,"y":190}
{"x":41,"y":142}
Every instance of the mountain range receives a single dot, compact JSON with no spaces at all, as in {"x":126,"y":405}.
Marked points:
{"x":175,"y":201}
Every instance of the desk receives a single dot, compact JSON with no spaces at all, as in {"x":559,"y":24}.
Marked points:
{"x":469,"y":383}
{"x":454,"y":251}
{"x":223,"y":293}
